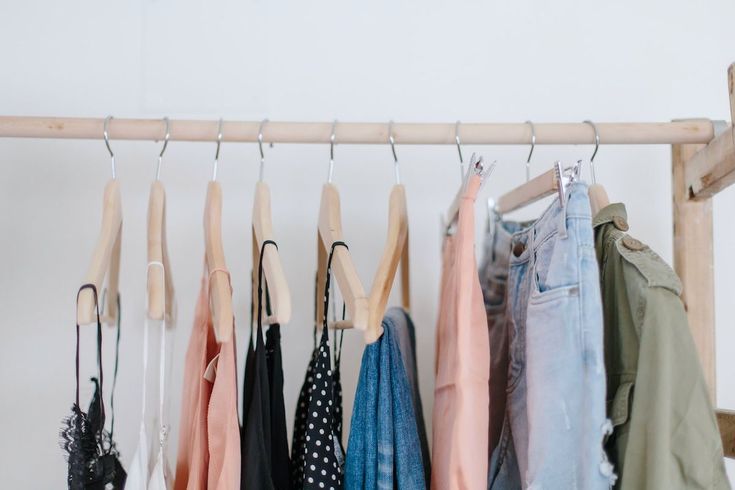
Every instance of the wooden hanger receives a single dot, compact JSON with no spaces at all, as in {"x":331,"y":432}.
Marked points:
{"x":597,"y":194}
{"x":106,"y":255}
{"x":598,"y":198}
{"x":395,"y":251}
{"x":529,"y":192}
{"x":534,"y":190}
{"x":160,"y":286}
{"x":262,"y":230}
{"x":345,"y":273}
{"x":220,"y":291}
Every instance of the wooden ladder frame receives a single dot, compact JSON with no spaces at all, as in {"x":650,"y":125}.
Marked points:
{"x":698,"y":173}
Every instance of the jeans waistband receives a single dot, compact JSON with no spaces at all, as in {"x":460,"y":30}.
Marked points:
{"x":577,"y":207}
{"x":498,"y":242}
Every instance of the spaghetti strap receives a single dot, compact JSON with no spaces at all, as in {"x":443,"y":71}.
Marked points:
{"x":162,"y":357}
{"x":92,"y":458}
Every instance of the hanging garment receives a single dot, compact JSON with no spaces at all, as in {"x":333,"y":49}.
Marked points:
{"x":92,"y":457}
{"x":405,"y":335}
{"x":384,"y":435}
{"x":553,"y":431}
{"x":316,"y":454}
{"x":149,"y":469}
{"x":494,"y":279}
{"x":280,"y":460}
{"x":665,"y":433}
{"x":460,"y":442}
{"x":264,"y":442}
{"x":298,"y":444}
{"x":209,"y":432}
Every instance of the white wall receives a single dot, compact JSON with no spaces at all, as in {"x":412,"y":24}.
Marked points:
{"x":410,"y":61}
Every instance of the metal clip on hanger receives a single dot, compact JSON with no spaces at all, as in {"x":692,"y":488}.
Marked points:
{"x":329,"y":232}
{"x":160,"y":283}
{"x":476,"y":167}
{"x":106,"y":256}
{"x":262,"y":233}
{"x":530,"y":153}
{"x":459,"y":149}
{"x":220,"y":290}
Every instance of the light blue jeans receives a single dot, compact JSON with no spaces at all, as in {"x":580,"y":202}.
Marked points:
{"x":384,"y":449}
{"x":555,"y":418}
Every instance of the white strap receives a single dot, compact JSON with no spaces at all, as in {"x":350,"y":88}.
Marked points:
{"x":162,"y":359}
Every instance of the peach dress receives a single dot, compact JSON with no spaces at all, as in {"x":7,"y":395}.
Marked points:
{"x":209,"y":431}
{"x":461,"y":397}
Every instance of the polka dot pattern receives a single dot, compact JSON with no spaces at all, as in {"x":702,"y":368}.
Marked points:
{"x":317,"y":449}
{"x":317,"y":455}
{"x":298,"y":446}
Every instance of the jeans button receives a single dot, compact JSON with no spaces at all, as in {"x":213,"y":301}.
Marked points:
{"x":519,"y":248}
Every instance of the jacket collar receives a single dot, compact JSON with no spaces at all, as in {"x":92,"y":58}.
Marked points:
{"x":609,"y":213}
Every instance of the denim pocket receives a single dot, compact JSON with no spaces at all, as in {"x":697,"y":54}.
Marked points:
{"x":555,"y":268}
{"x":555,"y":396}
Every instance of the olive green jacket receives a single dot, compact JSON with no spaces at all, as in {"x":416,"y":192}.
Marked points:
{"x":665,"y":434}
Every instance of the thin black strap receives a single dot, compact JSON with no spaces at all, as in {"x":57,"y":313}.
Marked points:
{"x":338,"y":338}
{"x":114,"y":373}
{"x":260,"y":284}
{"x":99,"y":351}
{"x":327,"y":282}
{"x":268,"y":310}
{"x":316,"y":302}
{"x":252,"y":309}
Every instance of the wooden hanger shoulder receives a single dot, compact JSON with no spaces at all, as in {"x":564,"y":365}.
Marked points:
{"x":105,"y":259}
{"x":394,"y":251}
{"x":345,"y":273}
{"x":219,"y":281}
{"x":160,"y":283}
{"x":598,"y":198}
{"x":272,"y":266}
{"x":529,"y":192}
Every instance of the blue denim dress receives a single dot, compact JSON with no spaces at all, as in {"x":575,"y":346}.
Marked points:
{"x":384,"y":447}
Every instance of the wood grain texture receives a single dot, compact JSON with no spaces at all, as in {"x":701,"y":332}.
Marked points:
{"x":693,"y":261}
{"x":394,"y":252}
{"x":343,"y":269}
{"x":105,"y":261}
{"x":699,"y":131}
{"x":713,"y":168}
{"x":527,"y":193}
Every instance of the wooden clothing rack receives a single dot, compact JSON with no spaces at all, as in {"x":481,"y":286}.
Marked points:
{"x":703,"y":163}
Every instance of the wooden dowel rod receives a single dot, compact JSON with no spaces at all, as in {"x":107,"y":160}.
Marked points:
{"x":678,"y":132}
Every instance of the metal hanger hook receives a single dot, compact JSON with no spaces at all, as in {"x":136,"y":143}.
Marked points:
{"x":530,"y":153}
{"x":260,"y":147}
{"x":594,"y":153}
{"x":332,"y":142}
{"x":219,"y":144}
{"x":106,"y":135}
{"x":459,"y":148}
{"x":392,"y":142}
{"x":165,"y":145}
